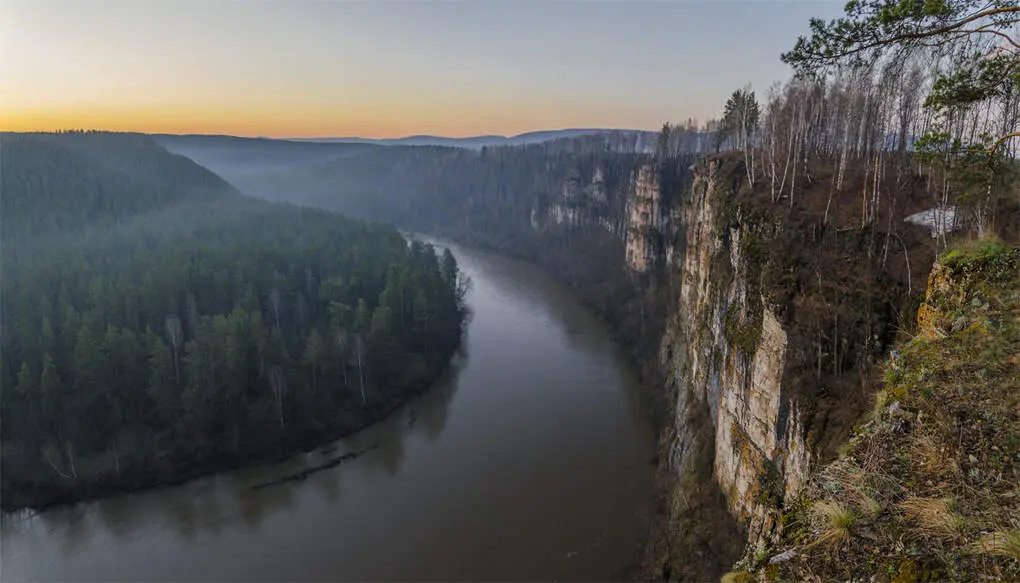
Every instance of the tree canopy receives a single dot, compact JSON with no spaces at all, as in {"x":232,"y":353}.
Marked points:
{"x":149,"y":339}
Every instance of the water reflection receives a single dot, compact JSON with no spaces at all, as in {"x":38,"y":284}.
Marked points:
{"x":431,"y":413}
{"x":519,"y":279}
{"x":123,"y":516}
{"x":329,"y":485}
{"x":182,"y":516}
{"x":70,"y":524}
{"x":529,"y":448}
{"x":214,"y":505}
{"x":252,"y":510}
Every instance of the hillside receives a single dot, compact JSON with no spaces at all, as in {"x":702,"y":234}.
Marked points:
{"x":158,"y":330}
{"x":926,"y":489}
{"x":228,"y":154}
{"x":364,"y":180}
{"x":111,"y":176}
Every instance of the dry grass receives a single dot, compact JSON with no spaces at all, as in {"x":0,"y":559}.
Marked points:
{"x":935,"y":516}
{"x":737,"y":577}
{"x":932,"y":457}
{"x":834,"y":520}
{"x":861,"y":489}
{"x":1001,"y":544}
{"x":869,"y":507}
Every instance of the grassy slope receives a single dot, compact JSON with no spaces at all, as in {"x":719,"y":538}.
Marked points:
{"x":929,"y":488}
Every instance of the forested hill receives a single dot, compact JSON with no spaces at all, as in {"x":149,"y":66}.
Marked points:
{"x":228,"y":155}
{"x":162,"y":325}
{"x":54,"y":182}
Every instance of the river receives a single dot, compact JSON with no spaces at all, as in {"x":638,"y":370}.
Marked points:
{"x":530,"y":460}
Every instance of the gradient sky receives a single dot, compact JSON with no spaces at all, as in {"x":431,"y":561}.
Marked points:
{"x":374,"y":69}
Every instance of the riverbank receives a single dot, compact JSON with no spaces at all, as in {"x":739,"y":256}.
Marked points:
{"x":529,"y":461}
{"x":180,"y":469}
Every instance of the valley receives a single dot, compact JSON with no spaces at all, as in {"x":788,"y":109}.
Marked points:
{"x":774,"y":342}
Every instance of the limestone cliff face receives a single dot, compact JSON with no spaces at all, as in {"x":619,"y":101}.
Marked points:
{"x":728,"y":351}
{"x":643,"y":216}
{"x":777,"y":323}
{"x":580,"y":202}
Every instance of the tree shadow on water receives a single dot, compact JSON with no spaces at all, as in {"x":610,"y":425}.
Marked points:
{"x":69,"y":524}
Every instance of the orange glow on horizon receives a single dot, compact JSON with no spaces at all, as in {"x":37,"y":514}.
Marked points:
{"x":303,"y":122}
{"x":257,"y":123}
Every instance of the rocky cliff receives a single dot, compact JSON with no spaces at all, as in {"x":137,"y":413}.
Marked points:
{"x":725,"y":347}
{"x":774,"y":327}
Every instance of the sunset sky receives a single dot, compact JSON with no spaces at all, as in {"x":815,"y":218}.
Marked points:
{"x":293,"y":68}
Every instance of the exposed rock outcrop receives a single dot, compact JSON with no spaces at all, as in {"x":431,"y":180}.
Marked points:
{"x":718,"y":350}
{"x":643,"y":216}
{"x":775,"y":325}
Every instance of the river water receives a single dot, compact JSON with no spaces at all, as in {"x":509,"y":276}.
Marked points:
{"x":530,"y":460}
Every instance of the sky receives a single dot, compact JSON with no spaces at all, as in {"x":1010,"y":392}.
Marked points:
{"x":295,"y":68}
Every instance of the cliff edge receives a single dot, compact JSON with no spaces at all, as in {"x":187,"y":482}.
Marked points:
{"x":927,"y":488}
{"x":780,"y":317}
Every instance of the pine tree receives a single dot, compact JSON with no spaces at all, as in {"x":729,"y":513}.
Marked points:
{"x":315,"y":355}
{"x":162,"y":386}
{"x":51,"y":391}
{"x":26,"y":383}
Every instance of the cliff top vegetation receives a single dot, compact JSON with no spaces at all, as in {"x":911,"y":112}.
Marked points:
{"x":926,"y":489}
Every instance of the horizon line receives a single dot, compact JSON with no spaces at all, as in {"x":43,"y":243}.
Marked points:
{"x":323,"y":136}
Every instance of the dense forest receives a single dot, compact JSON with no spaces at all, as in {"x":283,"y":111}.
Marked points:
{"x":157,"y":324}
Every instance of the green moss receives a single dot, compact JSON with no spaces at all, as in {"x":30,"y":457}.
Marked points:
{"x":738,"y":439}
{"x":769,"y":489}
{"x":745,"y":334}
{"x":976,"y":265}
{"x":987,"y":249}
{"x":909,"y":572}
{"x":792,"y":523}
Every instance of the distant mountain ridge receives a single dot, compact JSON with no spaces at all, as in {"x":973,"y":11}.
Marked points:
{"x":473,"y":142}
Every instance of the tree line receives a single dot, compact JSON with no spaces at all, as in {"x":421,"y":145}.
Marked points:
{"x":895,"y":89}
